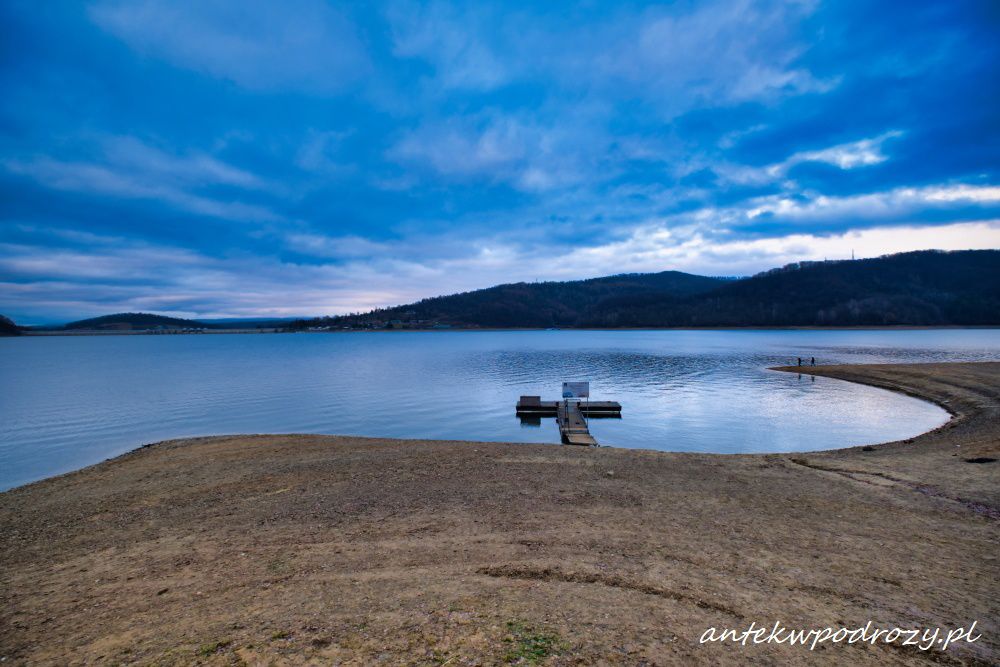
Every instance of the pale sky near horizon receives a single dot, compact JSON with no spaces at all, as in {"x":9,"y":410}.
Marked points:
{"x":254,"y":159}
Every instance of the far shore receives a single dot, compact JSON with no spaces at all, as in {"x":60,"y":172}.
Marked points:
{"x":178,"y":332}
{"x":298,"y":549}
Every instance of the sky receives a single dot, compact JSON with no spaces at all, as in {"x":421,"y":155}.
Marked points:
{"x":251,"y":158}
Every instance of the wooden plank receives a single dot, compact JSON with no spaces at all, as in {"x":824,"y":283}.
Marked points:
{"x":572,"y":425}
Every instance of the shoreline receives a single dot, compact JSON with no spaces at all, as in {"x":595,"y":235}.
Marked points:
{"x":895,"y":327}
{"x":784,"y":369}
{"x":332,"y":548}
{"x":844,"y":372}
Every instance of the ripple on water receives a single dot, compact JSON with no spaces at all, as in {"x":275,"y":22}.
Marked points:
{"x":72,"y":401}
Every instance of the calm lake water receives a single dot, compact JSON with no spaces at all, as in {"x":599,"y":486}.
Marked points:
{"x":67,"y":402}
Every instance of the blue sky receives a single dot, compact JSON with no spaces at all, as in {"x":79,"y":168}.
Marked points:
{"x":251,"y":158}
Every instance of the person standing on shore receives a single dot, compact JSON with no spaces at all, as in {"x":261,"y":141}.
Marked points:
{"x":812,"y":361}
{"x":800,"y":361}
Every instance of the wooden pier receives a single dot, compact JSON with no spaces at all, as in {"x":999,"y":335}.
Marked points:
{"x":533,"y":405}
{"x":573,"y":426}
{"x":571,"y":416}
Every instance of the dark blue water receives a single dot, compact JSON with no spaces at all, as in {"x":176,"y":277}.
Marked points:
{"x":67,"y":402}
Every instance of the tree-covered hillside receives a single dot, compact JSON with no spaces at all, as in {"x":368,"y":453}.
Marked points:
{"x":134,"y":321}
{"x":916,"y":288}
{"x":548,"y":304}
{"x":8,"y":328}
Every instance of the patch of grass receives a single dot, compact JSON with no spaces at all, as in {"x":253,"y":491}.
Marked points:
{"x":276,"y":565}
{"x":213,"y":647}
{"x":529,"y":646}
{"x":439,"y":658}
{"x":281,"y":634}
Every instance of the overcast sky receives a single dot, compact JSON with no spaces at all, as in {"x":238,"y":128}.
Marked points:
{"x":257,"y":158}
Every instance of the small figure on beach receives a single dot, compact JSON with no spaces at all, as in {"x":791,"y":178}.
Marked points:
{"x":800,"y":361}
{"x":812,"y":361}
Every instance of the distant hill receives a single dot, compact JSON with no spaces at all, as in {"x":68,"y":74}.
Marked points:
{"x":134,"y":322}
{"x":548,"y":304}
{"x":924,"y":288}
{"x":915,"y":288}
{"x":8,"y":328}
{"x":249,"y":322}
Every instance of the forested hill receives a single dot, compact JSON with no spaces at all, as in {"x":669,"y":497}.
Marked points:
{"x":916,"y":288}
{"x":548,"y":304}
{"x":8,"y":328}
{"x":134,"y":321}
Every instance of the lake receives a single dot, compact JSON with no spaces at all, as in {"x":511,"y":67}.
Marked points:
{"x":67,"y":402}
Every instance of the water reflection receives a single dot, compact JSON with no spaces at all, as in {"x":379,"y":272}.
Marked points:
{"x":69,"y":402}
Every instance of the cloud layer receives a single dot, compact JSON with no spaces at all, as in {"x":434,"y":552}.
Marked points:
{"x":248,"y":159}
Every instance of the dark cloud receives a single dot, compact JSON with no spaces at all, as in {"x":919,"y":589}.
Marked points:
{"x":252,"y":158}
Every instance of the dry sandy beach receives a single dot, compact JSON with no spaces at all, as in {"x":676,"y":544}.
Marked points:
{"x":339,"y":550}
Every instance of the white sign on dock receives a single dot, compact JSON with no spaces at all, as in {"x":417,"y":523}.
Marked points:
{"x":576,"y":390}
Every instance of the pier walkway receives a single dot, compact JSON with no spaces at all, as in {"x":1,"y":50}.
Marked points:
{"x":571,"y":416}
{"x":572,"y":425}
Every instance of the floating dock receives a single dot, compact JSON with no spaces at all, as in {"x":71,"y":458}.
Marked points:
{"x":571,"y":416}
{"x":533,"y":405}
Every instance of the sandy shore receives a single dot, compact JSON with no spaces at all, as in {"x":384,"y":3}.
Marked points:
{"x":328,"y":550}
